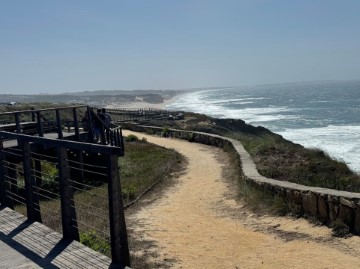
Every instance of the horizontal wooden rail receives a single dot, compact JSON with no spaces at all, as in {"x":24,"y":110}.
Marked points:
{"x":66,"y":181}
{"x":64,"y":143}
{"x":41,"y":110}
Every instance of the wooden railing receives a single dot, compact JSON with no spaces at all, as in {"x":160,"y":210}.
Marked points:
{"x":110,"y":134}
{"x":41,"y":121}
{"x":33,"y":189}
{"x":138,"y":114}
{"x":58,"y":120}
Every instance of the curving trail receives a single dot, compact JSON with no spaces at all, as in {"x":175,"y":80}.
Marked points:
{"x":192,"y":229}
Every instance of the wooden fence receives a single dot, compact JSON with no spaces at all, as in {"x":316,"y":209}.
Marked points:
{"x":28,"y":154}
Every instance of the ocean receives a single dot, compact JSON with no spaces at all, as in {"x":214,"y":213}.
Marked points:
{"x":322,"y":115}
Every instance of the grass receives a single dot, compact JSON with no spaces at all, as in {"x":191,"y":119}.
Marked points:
{"x":142,"y":166}
{"x":280,"y":159}
{"x":257,"y":200}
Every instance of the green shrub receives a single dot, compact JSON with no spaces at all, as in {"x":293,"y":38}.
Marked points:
{"x":94,"y":242}
{"x":129,"y":192}
{"x":165,"y":132}
{"x":132,"y":138}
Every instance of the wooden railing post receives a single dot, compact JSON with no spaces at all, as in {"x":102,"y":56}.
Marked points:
{"x":32,"y":198}
{"x":112,"y":136}
{"x":76,"y":124}
{"x":119,"y":244}
{"x":17,"y":121}
{"x":68,"y":213}
{"x":118,"y":141}
{"x":4,"y":186}
{"x":121,"y":142}
{"x":39,"y":124}
{"x":58,"y":124}
{"x":90,"y":127}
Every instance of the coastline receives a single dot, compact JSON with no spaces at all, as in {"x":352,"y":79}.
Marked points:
{"x":325,"y":138}
{"x":143,"y":105}
{"x":132,"y":105}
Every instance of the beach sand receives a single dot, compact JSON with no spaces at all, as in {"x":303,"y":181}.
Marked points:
{"x":140,"y":105}
{"x":143,"y":105}
{"x":200,"y":223}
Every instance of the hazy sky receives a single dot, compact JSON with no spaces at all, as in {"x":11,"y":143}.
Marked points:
{"x":63,"y":46}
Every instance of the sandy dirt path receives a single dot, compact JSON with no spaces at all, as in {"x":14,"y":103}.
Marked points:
{"x":192,"y":229}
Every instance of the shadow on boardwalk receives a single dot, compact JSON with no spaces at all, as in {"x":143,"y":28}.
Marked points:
{"x":32,"y":245}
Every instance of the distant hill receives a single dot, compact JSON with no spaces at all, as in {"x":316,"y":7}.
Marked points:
{"x":95,"y":98}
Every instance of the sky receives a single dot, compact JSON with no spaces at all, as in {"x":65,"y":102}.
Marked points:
{"x":49,"y":46}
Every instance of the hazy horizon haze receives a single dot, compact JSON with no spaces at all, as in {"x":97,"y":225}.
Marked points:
{"x":74,"y":46}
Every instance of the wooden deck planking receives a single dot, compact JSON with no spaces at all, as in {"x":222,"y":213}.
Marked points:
{"x":33,"y":245}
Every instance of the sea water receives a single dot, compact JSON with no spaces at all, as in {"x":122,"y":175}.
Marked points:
{"x":322,"y":115}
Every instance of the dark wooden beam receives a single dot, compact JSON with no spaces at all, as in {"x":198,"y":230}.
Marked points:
{"x":119,"y":243}
{"x":40,"y":110}
{"x":39,"y":124}
{"x":68,"y":213}
{"x":17,"y":122}
{"x":32,"y":198}
{"x":48,"y":142}
{"x":58,"y":124}
{"x":76,"y":124}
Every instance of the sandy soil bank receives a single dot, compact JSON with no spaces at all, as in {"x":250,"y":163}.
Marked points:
{"x":199,"y":223}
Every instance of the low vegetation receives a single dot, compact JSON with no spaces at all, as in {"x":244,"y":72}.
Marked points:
{"x":143,"y":165}
{"x":131,"y":138}
{"x":275,"y":156}
{"x":280,"y":159}
{"x":258,"y":200}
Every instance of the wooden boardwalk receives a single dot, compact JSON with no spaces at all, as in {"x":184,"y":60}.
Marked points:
{"x":32,"y":245}
{"x":14,"y":143}
{"x":24,"y":146}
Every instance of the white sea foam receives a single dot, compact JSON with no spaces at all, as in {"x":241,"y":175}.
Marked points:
{"x":195,"y":102}
{"x":237,"y":101}
{"x":258,"y":115}
{"x":340,"y":142}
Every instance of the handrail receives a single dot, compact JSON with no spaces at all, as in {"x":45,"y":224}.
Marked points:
{"x":63,"y":143}
{"x":40,"y":110}
{"x":108,"y":134}
{"x":69,"y":220}
{"x":54,"y":122}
